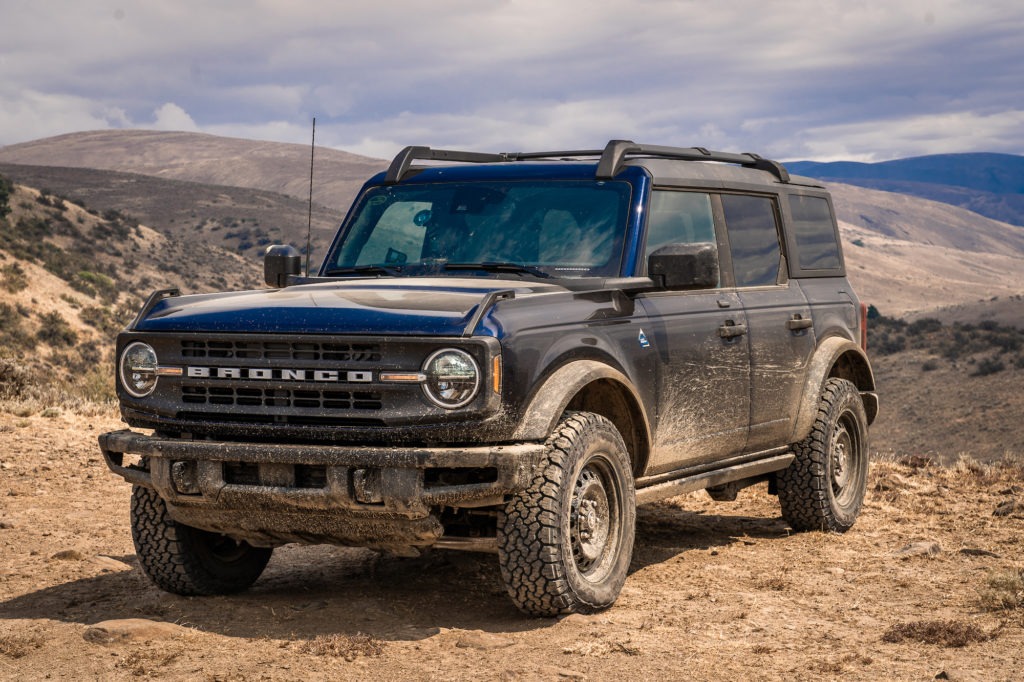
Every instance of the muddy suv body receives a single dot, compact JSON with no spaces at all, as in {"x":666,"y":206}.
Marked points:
{"x":505,"y":352}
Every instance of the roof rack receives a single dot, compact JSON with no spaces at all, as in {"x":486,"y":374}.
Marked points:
{"x":610,"y":160}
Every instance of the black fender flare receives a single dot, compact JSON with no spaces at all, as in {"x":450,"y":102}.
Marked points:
{"x":551,"y":399}
{"x":833,"y":353}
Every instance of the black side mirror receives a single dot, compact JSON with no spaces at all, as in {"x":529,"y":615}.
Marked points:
{"x":684,"y":266}
{"x":279,"y":261}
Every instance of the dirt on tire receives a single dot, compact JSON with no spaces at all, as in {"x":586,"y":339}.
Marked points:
{"x":715,"y":590}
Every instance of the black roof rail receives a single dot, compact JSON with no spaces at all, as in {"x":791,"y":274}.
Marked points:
{"x":609,"y":163}
{"x":617,"y":150}
{"x":405,"y":158}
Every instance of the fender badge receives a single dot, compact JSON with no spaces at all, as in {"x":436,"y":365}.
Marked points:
{"x":642,"y":338}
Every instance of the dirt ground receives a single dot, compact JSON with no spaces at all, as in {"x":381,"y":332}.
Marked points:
{"x":717,"y":590}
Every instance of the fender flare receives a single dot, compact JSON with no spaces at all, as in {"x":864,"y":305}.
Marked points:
{"x":857,"y":369}
{"x":549,"y":402}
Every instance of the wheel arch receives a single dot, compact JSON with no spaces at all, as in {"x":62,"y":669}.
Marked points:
{"x":840,"y":358}
{"x":589,"y":386}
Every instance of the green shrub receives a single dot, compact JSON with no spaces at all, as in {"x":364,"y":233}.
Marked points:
{"x":55,"y":331}
{"x":14,"y":277}
{"x":988,"y":366}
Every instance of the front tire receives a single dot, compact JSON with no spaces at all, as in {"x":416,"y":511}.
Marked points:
{"x":565,"y":543}
{"x":823,"y":489}
{"x":186,"y":560}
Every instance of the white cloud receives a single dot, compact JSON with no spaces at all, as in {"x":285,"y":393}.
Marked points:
{"x":869,"y":141}
{"x":172,"y":117}
{"x":787,"y":78}
{"x":29,"y":115}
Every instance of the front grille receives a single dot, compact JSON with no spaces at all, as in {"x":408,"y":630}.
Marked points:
{"x":277,"y":419}
{"x":281,"y":350}
{"x":248,"y":396}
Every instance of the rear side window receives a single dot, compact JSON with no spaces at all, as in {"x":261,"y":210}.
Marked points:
{"x":816,"y":245}
{"x":754,"y":239}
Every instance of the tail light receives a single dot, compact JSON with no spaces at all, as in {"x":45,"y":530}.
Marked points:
{"x":864,"y":326}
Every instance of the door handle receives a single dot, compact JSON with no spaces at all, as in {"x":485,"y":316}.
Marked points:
{"x":731,"y":330}
{"x":798,"y":322}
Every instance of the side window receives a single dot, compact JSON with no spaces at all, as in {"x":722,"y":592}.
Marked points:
{"x":679,"y":218}
{"x":754,"y":238}
{"x":815,"y":232}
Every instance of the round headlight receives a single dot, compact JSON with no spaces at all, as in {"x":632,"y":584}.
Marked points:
{"x":452,"y":378}
{"x":138,"y":369}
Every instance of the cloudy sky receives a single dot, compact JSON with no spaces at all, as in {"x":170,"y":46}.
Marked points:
{"x":849,"y":79}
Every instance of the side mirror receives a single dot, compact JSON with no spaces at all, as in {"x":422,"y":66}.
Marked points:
{"x":279,"y":261}
{"x":684,"y":266}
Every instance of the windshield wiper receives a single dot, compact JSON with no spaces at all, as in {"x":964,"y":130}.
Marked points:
{"x":493,"y":266}
{"x":365,"y":270}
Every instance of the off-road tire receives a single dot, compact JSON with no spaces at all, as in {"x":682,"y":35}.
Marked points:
{"x":565,"y":543}
{"x":823,"y":489}
{"x":186,"y":560}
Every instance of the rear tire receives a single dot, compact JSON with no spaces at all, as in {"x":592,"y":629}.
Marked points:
{"x":565,"y":543}
{"x":823,"y":489}
{"x":186,"y":560}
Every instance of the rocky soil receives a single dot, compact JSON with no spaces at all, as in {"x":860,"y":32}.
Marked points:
{"x":927,"y":585}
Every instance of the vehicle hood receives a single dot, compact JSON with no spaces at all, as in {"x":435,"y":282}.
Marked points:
{"x":421,"y":306}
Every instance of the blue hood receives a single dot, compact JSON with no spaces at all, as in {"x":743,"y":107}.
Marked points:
{"x":422,"y":306}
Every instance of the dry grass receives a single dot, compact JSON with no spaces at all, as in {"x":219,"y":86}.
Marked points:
{"x":1004,"y":591}
{"x":16,"y":646}
{"x":349,"y":647}
{"x":947,"y":633}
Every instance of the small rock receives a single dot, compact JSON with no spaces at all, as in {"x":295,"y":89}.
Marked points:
{"x":483,"y":641}
{"x":837,"y":572}
{"x":918,"y":549}
{"x":131,"y":629}
{"x":974,"y":551}
{"x":1012,"y":490}
{"x":68,"y":555}
{"x":1005,"y":508}
{"x":6,"y":525}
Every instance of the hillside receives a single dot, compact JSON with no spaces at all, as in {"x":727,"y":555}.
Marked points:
{"x":989,"y":184}
{"x":234,"y":218}
{"x":909,"y":256}
{"x":207,"y":159}
{"x":71,"y":277}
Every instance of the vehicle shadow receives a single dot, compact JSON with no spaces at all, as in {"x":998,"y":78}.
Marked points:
{"x":311,"y":591}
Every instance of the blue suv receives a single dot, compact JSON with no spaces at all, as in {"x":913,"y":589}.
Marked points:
{"x":505,"y":353}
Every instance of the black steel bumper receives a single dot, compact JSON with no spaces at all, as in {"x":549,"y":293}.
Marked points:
{"x":272,"y":493}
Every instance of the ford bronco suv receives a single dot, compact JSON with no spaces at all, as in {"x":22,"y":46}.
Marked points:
{"x":505,"y":353}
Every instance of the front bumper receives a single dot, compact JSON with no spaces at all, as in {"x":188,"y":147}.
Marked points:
{"x":270,"y":493}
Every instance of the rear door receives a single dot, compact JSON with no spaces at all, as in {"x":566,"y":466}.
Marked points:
{"x":780,"y":331}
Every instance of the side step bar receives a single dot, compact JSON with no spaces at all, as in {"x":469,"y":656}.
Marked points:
{"x":710,"y":479}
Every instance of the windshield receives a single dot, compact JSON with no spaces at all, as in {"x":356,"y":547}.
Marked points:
{"x":540,"y":229}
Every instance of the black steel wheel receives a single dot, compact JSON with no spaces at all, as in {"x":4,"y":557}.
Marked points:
{"x":186,"y":560}
{"x":823,"y":489}
{"x":565,"y":543}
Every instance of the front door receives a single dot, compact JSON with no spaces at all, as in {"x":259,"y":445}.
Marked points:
{"x":703,"y":406}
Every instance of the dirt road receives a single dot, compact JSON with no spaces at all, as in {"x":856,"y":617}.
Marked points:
{"x":716,"y":591}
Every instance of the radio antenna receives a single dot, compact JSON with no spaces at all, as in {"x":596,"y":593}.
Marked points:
{"x":309,"y":218}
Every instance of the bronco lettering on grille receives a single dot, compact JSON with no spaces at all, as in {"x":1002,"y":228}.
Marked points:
{"x":274,"y":374}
